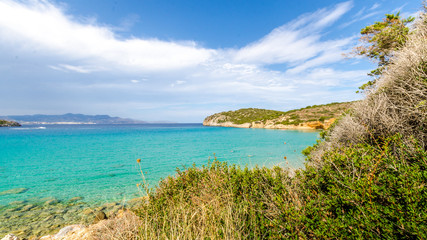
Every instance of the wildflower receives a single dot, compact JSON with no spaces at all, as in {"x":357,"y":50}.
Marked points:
{"x":138,"y":160}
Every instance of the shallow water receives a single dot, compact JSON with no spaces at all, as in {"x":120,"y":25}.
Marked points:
{"x":98,"y":162}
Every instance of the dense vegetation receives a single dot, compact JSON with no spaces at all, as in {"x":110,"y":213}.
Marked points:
{"x":292,"y":117}
{"x":245,"y":115}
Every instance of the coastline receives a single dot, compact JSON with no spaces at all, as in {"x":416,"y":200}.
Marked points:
{"x":313,"y":125}
{"x":34,"y":219}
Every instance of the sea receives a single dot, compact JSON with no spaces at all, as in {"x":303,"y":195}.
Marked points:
{"x":50,"y":175}
{"x":99,"y":162}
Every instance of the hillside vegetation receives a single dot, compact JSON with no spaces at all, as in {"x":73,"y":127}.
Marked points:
{"x":294,"y":117}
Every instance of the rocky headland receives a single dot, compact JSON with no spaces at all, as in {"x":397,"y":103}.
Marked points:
{"x":4,"y":123}
{"x":311,"y":117}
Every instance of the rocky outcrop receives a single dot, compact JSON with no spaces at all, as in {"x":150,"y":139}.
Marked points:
{"x":4,"y":123}
{"x":124,"y":226}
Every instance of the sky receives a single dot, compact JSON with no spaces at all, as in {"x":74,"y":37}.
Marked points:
{"x":181,"y":61}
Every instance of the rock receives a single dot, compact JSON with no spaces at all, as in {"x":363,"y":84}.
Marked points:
{"x":315,"y":125}
{"x":110,"y":205}
{"x":75,"y":199}
{"x":51,"y":202}
{"x":27,"y":207}
{"x":64,"y":231}
{"x":99,"y":215}
{"x":329,"y":122}
{"x":257,"y":124}
{"x":17,"y":203}
{"x":14,"y":191}
{"x":10,"y":237}
{"x":87,"y":211}
{"x":47,"y":237}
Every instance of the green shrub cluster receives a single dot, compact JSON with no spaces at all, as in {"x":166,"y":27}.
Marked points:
{"x":368,"y":191}
{"x":222,"y":201}
{"x":363,"y":191}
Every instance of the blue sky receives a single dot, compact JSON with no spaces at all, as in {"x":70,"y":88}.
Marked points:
{"x":181,"y":60}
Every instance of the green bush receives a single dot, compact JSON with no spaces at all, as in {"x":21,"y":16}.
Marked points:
{"x":367,"y":191}
{"x":362,"y":191}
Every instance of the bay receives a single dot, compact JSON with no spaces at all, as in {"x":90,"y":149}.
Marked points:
{"x":98,"y":162}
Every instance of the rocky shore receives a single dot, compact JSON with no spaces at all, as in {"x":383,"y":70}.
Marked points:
{"x":33,"y":220}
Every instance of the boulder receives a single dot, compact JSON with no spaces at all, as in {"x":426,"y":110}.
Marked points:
{"x":10,"y":237}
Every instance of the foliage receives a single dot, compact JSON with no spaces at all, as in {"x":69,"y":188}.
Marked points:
{"x":362,"y":191}
{"x":218,"y":201}
{"x":380,"y":40}
{"x":368,"y":191}
{"x":251,"y":115}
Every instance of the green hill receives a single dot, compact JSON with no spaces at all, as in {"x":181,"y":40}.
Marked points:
{"x":294,"y":117}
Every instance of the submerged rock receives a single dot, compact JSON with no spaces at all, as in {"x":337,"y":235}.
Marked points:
{"x":51,"y":202}
{"x":14,"y":191}
{"x":75,"y":199}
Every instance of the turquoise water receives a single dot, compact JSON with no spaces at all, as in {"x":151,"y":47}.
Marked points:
{"x":98,"y":162}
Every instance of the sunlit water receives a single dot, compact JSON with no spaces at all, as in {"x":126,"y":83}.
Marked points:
{"x":98,"y":162}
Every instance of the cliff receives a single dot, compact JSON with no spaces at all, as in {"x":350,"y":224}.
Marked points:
{"x":311,"y":117}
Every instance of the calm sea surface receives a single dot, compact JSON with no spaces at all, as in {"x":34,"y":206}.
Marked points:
{"x":98,"y":162}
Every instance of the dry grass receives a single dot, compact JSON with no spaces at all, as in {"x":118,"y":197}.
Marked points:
{"x":397,"y":104}
{"x":218,"y":202}
{"x":123,"y":227}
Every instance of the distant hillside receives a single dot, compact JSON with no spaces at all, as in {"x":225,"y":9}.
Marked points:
{"x":316,"y":116}
{"x":70,"y":118}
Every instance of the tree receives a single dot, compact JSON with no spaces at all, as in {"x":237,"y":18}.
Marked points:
{"x":380,"y":40}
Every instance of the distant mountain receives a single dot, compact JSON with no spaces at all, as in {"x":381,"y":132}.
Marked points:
{"x":70,"y":118}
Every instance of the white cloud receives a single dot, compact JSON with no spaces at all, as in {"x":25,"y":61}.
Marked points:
{"x":294,"y":42}
{"x":73,"y":68}
{"x":375,"y":6}
{"x":43,"y":26}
